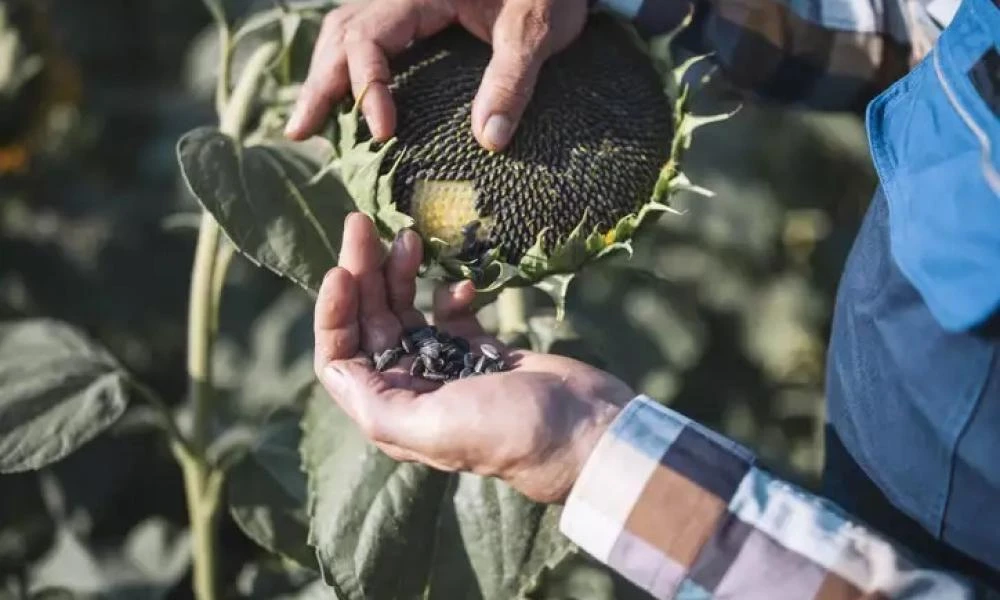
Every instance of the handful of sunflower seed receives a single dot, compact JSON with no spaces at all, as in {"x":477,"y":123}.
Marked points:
{"x":439,"y":356}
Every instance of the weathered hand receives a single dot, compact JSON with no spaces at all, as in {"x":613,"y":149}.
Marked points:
{"x":533,"y":426}
{"x":357,"y":39}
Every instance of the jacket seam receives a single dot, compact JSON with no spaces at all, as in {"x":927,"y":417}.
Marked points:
{"x":973,"y":408}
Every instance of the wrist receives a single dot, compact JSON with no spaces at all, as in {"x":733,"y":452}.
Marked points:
{"x":587,"y":440}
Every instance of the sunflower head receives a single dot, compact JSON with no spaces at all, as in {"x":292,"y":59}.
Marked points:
{"x":596,"y":152}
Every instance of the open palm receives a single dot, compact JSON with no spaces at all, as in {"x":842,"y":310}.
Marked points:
{"x":532,"y":426}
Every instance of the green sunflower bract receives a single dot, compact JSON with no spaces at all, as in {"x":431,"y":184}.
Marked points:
{"x":597,"y":154}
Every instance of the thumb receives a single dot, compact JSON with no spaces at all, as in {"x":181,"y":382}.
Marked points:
{"x":520,"y":48}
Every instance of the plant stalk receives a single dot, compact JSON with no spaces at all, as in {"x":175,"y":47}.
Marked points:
{"x":512,"y":311}
{"x":203,"y":481}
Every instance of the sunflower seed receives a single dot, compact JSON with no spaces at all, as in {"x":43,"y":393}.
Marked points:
{"x":387,"y":359}
{"x":435,"y":376}
{"x":490,"y":351}
{"x":417,"y":368}
{"x":428,"y":362}
{"x":466,"y":372}
{"x":480,"y":364}
{"x":431,"y":350}
{"x":407,"y":345}
{"x":469,"y":360}
{"x":423,"y":333}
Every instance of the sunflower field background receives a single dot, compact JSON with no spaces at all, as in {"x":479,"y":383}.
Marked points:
{"x":723,"y":313}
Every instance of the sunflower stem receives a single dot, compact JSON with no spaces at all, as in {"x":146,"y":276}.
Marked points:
{"x":513,"y":306}
{"x":203,"y":480}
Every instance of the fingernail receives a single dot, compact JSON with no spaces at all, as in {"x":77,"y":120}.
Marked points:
{"x":497,"y":131}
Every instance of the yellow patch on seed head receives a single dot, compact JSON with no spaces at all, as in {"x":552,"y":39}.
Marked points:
{"x":440,"y":209}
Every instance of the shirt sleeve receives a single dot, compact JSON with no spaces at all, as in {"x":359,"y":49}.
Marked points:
{"x":684,"y":513}
{"x":821,"y":54}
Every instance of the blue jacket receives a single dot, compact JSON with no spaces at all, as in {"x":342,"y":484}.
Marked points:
{"x":914,"y":361}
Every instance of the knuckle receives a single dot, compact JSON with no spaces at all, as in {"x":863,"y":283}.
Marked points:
{"x":512,"y":87}
{"x":334,"y":23}
{"x":537,"y":23}
{"x":354,"y":35}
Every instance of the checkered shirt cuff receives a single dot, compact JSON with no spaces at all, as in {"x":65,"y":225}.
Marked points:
{"x":683,"y":512}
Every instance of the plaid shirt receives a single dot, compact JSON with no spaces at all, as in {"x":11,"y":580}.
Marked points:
{"x":684,"y":513}
{"x":823,"y":54}
{"x":676,"y":508}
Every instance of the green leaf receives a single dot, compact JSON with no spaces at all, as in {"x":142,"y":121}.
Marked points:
{"x":58,"y":390}
{"x":267,"y":491}
{"x":264,"y":200}
{"x":492,"y":542}
{"x":387,"y":530}
{"x":557,"y":288}
{"x":372,"y":519}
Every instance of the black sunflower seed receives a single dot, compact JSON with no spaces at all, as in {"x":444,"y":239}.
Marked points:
{"x":431,"y":350}
{"x":490,"y":351}
{"x":417,"y":368}
{"x":388,"y":359}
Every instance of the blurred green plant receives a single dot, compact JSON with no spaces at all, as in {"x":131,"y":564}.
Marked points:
{"x":276,"y":454}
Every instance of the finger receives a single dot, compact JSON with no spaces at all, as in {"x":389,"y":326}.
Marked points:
{"x":453,"y":310}
{"x":519,"y":49}
{"x":327,"y":81}
{"x":382,"y":30}
{"x":369,"y":73}
{"x":362,"y":255}
{"x":401,"y":277}
{"x":335,"y":322}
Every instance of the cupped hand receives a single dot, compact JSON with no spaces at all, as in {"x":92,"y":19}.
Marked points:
{"x":533,"y":426}
{"x":357,"y":39}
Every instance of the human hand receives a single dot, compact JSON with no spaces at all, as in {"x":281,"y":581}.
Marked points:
{"x":356,"y":40}
{"x":533,"y":426}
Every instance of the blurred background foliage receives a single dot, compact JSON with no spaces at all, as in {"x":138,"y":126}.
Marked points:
{"x":96,"y":229}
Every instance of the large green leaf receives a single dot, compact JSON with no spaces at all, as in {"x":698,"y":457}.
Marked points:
{"x":492,"y":542}
{"x":388,"y":530}
{"x":372,"y":518}
{"x":267,"y":491}
{"x":57,"y":391}
{"x":267,"y":203}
